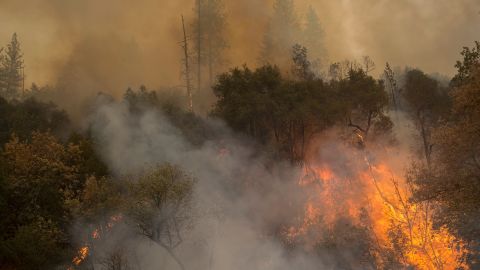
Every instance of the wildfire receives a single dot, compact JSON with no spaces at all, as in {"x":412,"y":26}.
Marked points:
{"x":95,"y":234}
{"x":315,"y":174}
{"x":81,"y":256}
{"x":83,"y":252}
{"x":397,"y":224}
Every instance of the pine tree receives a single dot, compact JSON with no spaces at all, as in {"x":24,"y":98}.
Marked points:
{"x":2,"y":72}
{"x":313,"y":39}
{"x":198,"y":26}
{"x":215,"y":34}
{"x":12,"y":66}
{"x":186,"y":71}
{"x":282,"y":34}
{"x":209,"y":29}
{"x":301,"y":65}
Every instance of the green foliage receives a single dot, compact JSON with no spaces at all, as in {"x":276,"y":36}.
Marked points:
{"x":471,"y":59}
{"x":36,"y":245}
{"x":30,"y":115}
{"x":40,"y":175}
{"x":452,"y":179}
{"x":282,"y":33}
{"x":40,"y":178}
{"x":313,"y":39}
{"x":160,"y":206}
{"x":100,"y":198}
{"x":279,"y":113}
{"x":140,"y":100}
{"x":301,"y":65}
{"x":92,"y":164}
{"x":11,"y":73}
{"x":427,"y":103}
{"x":243,"y":98}
{"x":211,"y":26}
{"x":284,"y":114}
{"x":365,"y":102}
{"x":165,"y":184}
{"x":425,"y":96}
{"x":192,"y":126}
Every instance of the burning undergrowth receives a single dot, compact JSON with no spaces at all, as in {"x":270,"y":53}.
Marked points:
{"x":359,"y":200}
{"x":347,"y":207}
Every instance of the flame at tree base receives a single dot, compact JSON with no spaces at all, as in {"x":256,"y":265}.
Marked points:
{"x":80,"y":257}
{"x":84,"y":251}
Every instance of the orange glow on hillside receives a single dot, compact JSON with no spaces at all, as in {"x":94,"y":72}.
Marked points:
{"x":377,"y":199}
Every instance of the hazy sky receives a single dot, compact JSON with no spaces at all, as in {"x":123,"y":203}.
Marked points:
{"x":116,"y":43}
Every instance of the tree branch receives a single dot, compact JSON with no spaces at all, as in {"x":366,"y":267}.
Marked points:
{"x":350,"y":124}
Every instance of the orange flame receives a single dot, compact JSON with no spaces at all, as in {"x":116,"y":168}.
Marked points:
{"x":83,"y":252}
{"x":385,"y":197}
{"x":95,"y":234}
{"x":81,"y":256}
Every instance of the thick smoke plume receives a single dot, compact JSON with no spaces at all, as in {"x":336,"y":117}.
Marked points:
{"x":84,"y":47}
{"x":231,"y":232}
{"x":244,"y":205}
{"x":110,"y":45}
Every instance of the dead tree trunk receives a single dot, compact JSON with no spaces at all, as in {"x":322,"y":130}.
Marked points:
{"x":427,"y":147}
{"x":199,"y":45}
{"x":210,"y":48}
{"x":390,"y":75}
{"x":187,"y":68}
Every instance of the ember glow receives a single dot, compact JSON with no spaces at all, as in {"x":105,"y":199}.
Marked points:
{"x":84,"y":251}
{"x":82,"y":255}
{"x":372,"y":196}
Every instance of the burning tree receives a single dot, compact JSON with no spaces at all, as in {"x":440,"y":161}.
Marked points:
{"x":156,"y":204}
{"x":363,"y":208}
{"x":451,"y":180}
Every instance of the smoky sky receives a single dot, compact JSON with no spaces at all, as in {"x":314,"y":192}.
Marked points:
{"x":121,"y":43}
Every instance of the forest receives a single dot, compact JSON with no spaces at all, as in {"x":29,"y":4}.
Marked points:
{"x":295,"y":161}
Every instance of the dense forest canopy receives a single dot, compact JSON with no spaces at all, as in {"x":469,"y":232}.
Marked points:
{"x":296,"y":159}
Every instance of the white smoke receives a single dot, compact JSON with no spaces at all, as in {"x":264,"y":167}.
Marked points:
{"x":242,"y":202}
{"x":231,"y":231}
